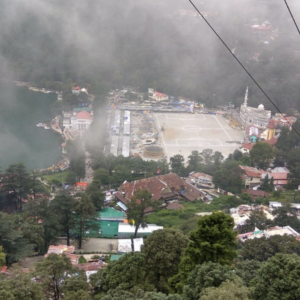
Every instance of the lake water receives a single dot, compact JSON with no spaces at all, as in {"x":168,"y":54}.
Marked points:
{"x":20,"y":139}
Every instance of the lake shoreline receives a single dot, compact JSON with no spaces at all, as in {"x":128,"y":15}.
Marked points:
{"x":20,"y":139}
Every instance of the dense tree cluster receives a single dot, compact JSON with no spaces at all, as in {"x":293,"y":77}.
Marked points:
{"x":29,"y":221}
{"x":207,"y":265}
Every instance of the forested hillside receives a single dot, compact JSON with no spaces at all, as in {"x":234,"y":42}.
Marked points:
{"x":153,"y":44}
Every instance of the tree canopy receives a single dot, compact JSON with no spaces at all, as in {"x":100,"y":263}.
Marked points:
{"x":208,"y":274}
{"x":213,"y":241}
{"x":264,"y":248}
{"x":136,"y":209}
{"x":261,"y":155}
{"x":163,"y":251}
{"x":278,"y":278}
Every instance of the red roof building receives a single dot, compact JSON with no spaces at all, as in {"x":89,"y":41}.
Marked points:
{"x":63,"y":249}
{"x":201,"y":178}
{"x":91,"y":266}
{"x":163,"y":187}
{"x":256,"y":193}
{"x":84,"y":115}
{"x":272,"y":124}
{"x":157,"y":96}
{"x":81,"y":185}
{"x":247,"y":146}
{"x":280,"y":176}
{"x":251,"y":176}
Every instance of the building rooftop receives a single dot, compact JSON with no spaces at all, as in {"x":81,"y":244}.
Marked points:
{"x":108,"y":229}
{"x":127,"y":228}
{"x":115,"y":257}
{"x":59,"y":249}
{"x":160,"y":187}
{"x":110,"y":213}
{"x":277,"y":230}
{"x":250,"y":171}
{"x":174,"y":206}
{"x":83,"y":115}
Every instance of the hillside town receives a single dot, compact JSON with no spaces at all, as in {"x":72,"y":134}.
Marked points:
{"x":133,"y":131}
{"x":139,"y":160}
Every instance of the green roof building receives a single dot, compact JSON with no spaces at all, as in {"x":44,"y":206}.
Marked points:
{"x":108,"y":229}
{"x":115,"y":257}
{"x":110,"y":214}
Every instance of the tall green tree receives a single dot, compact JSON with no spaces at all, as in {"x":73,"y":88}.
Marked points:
{"x":195,"y":160}
{"x":21,"y":286}
{"x":267,"y":184}
{"x":278,"y":279}
{"x":121,"y":173}
{"x":2,"y":257}
{"x":137,"y":294}
{"x":63,"y":207}
{"x":284,"y":216}
{"x":163,"y":166}
{"x":85,"y":217}
{"x":247,"y":270}
{"x":284,"y":142}
{"x":52,"y":272}
{"x":208,"y":274}
{"x":163,"y":250}
{"x":16,"y":185}
{"x":229,"y":177}
{"x":101,"y":177}
{"x":96,"y":195}
{"x":78,"y":295}
{"x":261,"y":155}
{"x":214,"y":240}
{"x":15,"y":246}
{"x":77,"y":158}
{"x":207,"y":155}
{"x":177,"y":164}
{"x":257,"y":219}
{"x":228,"y":290}
{"x":263,"y":248}
{"x":293,"y":164}
{"x":126,"y":274}
{"x":39,"y":223}
{"x":76,"y":285}
{"x":141,"y":200}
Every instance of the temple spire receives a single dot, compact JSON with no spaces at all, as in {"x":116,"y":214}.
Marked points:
{"x":246,"y":97}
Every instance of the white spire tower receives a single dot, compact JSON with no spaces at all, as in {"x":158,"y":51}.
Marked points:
{"x":246,"y":97}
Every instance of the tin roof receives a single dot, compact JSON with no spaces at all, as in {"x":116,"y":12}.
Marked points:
{"x":161,"y":186}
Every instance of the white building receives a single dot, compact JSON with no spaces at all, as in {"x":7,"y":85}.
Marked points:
{"x":276,"y":230}
{"x":77,"y":121}
{"x":157,"y":96}
{"x":254,"y":116}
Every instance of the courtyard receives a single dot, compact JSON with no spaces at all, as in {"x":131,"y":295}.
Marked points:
{"x":183,"y":133}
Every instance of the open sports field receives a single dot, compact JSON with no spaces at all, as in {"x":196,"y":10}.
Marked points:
{"x":184,"y":133}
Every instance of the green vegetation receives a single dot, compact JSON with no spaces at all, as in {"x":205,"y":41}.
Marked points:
{"x":60,"y":44}
{"x":186,"y":219}
{"x":140,"y":201}
{"x":212,"y":241}
{"x":280,"y":274}
{"x":163,"y":251}
{"x":57,"y":177}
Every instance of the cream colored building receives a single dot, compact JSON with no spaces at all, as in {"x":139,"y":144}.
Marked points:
{"x":254,"y":116}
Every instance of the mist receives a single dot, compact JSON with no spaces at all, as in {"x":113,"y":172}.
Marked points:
{"x":153,"y":44}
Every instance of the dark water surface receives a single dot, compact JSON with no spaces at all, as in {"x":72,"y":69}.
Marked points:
{"x":20,"y":139}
